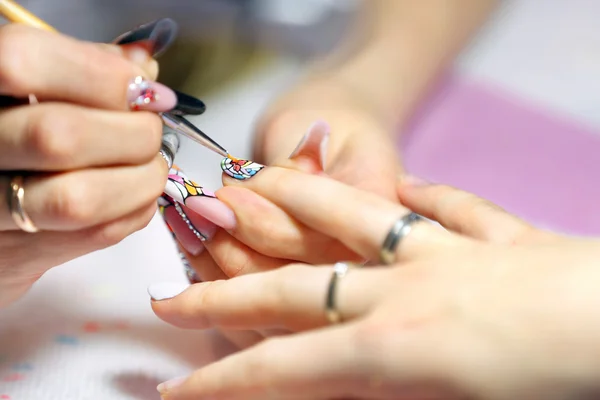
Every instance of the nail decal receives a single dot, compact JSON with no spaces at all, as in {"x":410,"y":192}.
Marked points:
{"x":240,"y":169}
{"x":203,"y":202}
{"x":150,"y":96}
{"x":156,"y":36}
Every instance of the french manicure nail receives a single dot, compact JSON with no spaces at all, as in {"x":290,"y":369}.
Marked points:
{"x":240,"y":169}
{"x":203,"y":202}
{"x":167,"y":290}
{"x":156,"y":36}
{"x":147,"y":95}
{"x":314,"y":142}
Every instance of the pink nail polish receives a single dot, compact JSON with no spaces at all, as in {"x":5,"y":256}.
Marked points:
{"x":314,"y":143}
{"x":190,"y":231}
{"x":203,"y":202}
{"x":164,"y":387}
{"x":150,"y":96}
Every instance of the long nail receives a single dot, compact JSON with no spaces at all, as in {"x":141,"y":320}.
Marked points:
{"x":203,"y":202}
{"x":314,"y":143}
{"x":240,"y":169}
{"x":189,"y":229}
{"x":164,"y":387}
{"x":150,"y":96}
{"x":166,"y":291}
{"x":156,"y":36}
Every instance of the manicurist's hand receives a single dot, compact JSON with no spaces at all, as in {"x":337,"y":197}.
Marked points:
{"x":79,"y":171}
{"x":501,"y":311}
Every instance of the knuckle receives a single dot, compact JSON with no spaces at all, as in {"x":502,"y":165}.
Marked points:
{"x":50,"y":137}
{"x":114,"y":233}
{"x":70,"y":203}
{"x":14,"y":58}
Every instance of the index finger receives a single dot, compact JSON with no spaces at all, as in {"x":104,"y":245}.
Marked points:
{"x":359,"y":219}
{"x":55,"y":67}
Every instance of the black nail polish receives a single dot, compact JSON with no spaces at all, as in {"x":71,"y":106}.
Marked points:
{"x":188,"y":105}
{"x":157,"y":35}
{"x":9,"y":101}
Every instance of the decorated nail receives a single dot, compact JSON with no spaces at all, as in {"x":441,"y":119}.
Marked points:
{"x":165,"y":291}
{"x":203,"y":202}
{"x":314,"y":143}
{"x":150,"y":96}
{"x":187,"y":227}
{"x":156,"y":36}
{"x":240,"y":169}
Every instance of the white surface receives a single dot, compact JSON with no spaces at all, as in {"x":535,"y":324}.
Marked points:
{"x":546,"y":50}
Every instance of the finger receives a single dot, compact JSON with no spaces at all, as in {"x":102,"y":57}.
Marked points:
{"x":33,"y":254}
{"x":310,"y":155}
{"x":85,"y":198}
{"x":461,"y":211}
{"x":359,"y":219}
{"x":259,"y":218}
{"x":291,"y":297}
{"x":55,"y":67}
{"x":56,"y":137}
{"x":320,"y":364}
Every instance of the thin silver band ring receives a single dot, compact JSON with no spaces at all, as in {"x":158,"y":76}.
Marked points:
{"x":399,"y":231}
{"x":16,"y":201}
{"x":332,"y":313}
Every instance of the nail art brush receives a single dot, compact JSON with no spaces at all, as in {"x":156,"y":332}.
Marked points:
{"x":186,"y":104}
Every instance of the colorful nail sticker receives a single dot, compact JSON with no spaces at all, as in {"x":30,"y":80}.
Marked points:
{"x":179,"y":187}
{"x":240,"y":169}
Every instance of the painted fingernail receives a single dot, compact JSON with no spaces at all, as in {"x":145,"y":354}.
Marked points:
{"x":240,"y":169}
{"x":199,"y":200}
{"x":147,"y":95}
{"x":156,"y":36}
{"x":189,"y":230}
{"x":165,"y":387}
{"x":413,"y":181}
{"x":314,"y":143}
{"x":167,"y":290}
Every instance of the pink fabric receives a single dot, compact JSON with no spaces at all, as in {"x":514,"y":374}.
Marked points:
{"x":528,"y":160}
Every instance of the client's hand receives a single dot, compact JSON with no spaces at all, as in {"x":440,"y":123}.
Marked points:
{"x":78,"y":166}
{"x":510,"y":316}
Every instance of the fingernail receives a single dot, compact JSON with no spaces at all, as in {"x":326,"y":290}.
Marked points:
{"x":156,"y":36}
{"x":165,"y":387}
{"x":188,"y":229}
{"x":203,"y":202}
{"x":240,"y":169}
{"x":413,"y":181}
{"x":150,"y":96}
{"x":314,"y":143}
{"x":167,"y":290}
{"x":188,"y":105}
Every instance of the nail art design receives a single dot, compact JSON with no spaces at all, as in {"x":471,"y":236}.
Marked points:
{"x":180,"y":187}
{"x":157,"y":36}
{"x":240,"y":169}
{"x":150,"y":96}
{"x":203,"y":202}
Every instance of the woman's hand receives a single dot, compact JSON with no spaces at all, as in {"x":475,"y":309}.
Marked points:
{"x":91,"y":167}
{"x":503,"y":317}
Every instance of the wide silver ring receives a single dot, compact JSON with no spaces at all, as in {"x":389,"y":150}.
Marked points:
{"x":332,"y":313}
{"x":399,"y":231}
{"x":16,"y":200}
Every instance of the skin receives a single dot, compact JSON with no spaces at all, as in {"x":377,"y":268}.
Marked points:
{"x":81,"y":88}
{"x":490,"y":291}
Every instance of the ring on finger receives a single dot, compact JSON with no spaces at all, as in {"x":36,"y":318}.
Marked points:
{"x":340,"y":270}
{"x":397,"y":233}
{"x":16,"y":205}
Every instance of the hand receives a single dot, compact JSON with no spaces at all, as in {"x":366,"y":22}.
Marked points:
{"x":361,"y":145}
{"x":82,"y":152}
{"x":459,"y":317}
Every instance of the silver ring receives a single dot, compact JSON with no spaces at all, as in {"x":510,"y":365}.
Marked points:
{"x":399,"y":231}
{"x":16,"y":200}
{"x":332,"y":313}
